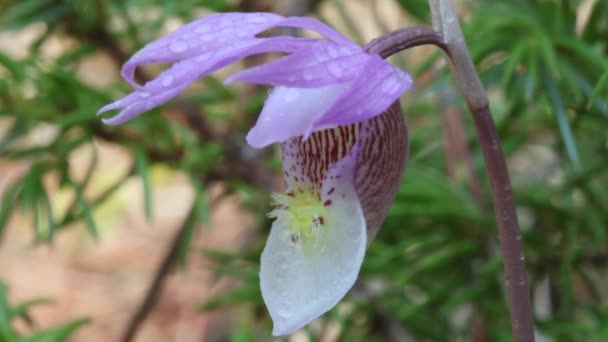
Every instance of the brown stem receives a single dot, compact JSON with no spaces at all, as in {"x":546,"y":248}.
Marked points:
{"x":446,"y":21}
{"x":390,"y":43}
{"x":155,"y":289}
{"x":516,"y":279}
{"x":451,"y":41}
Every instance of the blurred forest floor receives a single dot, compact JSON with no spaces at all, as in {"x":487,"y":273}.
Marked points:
{"x":106,"y":279}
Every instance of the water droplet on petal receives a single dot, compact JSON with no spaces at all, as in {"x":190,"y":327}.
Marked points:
{"x":167,"y":80}
{"x":335,"y":69}
{"x":144,"y":94}
{"x":291,"y":95}
{"x":284,"y":313}
{"x":240,"y":44}
{"x":203,"y":28}
{"x":319,"y":57}
{"x":257,"y":19}
{"x":333,"y":52}
{"x":389,"y":85}
{"x":178,"y":46}
{"x":346,"y":51}
{"x":203,"y":57}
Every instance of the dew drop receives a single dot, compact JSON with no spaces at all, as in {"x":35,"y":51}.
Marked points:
{"x":240,"y":44}
{"x":285,"y":313}
{"x":346,"y":51}
{"x":203,"y":57}
{"x":203,"y":28}
{"x":335,"y":69}
{"x":257,"y":19}
{"x":178,"y":46}
{"x":291,"y":95}
{"x":167,"y":80}
{"x":144,"y":94}
{"x":320,"y":57}
{"x":389,"y":85}
{"x":333,"y":52}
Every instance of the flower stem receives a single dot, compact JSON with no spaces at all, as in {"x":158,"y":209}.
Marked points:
{"x":516,"y":279}
{"x":448,"y":36}
{"x":445,"y":21}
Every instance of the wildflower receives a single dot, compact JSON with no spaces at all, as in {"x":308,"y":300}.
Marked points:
{"x":335,"y":111}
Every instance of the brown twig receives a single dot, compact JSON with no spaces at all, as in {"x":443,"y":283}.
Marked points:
{"x":516,"y":279}
{"x":448,"y":36}
{"x":155,"y":289}
{"x":390,"y":43}
{"x":446,"y":22}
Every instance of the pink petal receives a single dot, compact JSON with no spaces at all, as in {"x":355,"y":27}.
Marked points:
{"x":321,"y":63}
{"x":177,"y":78}
{"x":290,"y":112}
{"x":210,"y":43}
{"x":316,"y":26}
{"x":378,"y":85}
{"x":198,"y":37}
{"x":217,"y":31}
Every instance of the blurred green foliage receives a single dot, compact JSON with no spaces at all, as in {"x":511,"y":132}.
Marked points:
{"x":434,"y":271}
{"x":10,"y":313}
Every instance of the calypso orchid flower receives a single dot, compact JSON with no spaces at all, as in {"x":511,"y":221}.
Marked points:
{"x":335,"y":112}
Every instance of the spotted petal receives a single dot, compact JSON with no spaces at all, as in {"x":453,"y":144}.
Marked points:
{"x":299,"y":284}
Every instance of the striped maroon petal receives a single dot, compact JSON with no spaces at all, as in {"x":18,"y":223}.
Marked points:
{"x":382,"y":156}
{"x":340,"y":184}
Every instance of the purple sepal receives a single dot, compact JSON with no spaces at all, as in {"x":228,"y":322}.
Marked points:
{"x":179,"y":76}
{"x":296,"y":111}
{"x":320,"y":63}
{"x":335,"y":81}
